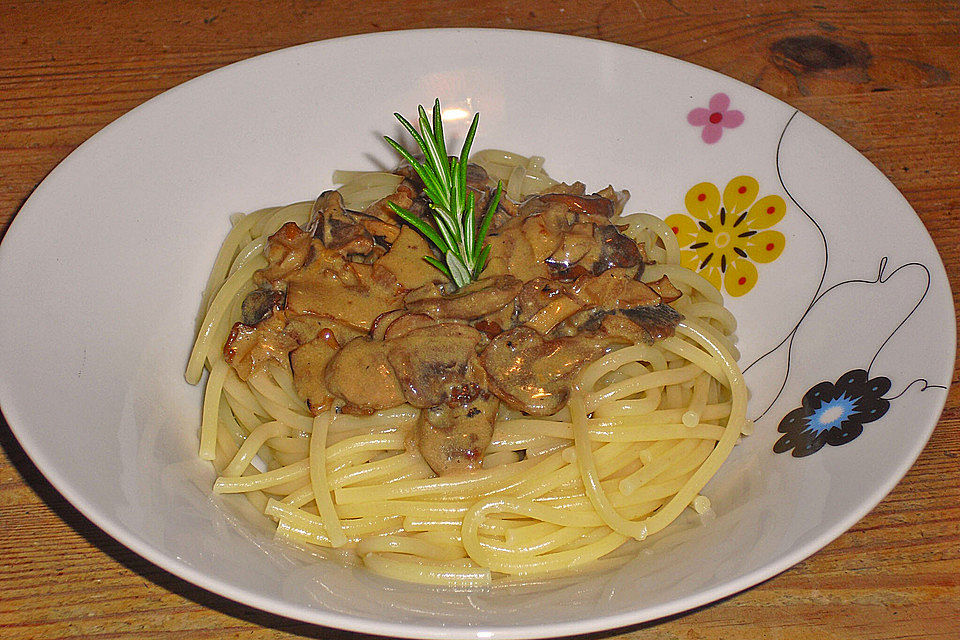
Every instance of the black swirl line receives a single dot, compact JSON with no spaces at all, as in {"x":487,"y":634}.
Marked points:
{"x":823,"y":274}
{"x":823,"y":240}
{"x":820,"y":293}
{"x":926,"y":289}
{"x":926,"y":385}
{"x":882,"y":279}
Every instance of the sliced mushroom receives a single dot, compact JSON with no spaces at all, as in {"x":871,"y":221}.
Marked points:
{"x":361,"y":374}
{"x":574,"y":189}
{"x":574,"y":247}
{"x":402,"y":197}
{"x":593,"y":205}
{"x":585,"y":320}
{"x":453,"y":435}
{"x":337,"y":228}
{"x":476,"y":300}
{"x":535,"y":295}
{"x":478,"y":182}
{"x":544,"y":231}
{"x":249,"y":348}
{"x":510,"y":253}
{"x":431,"y":361}
{"x":616,"y":249}
{"x":260,"y":304}
{"x":438,"y":370}
{"x":618,"y":198}
{"x":353,"y":293}
{"x":477,"y":177}
{"x":304,"y":328}
{"x":309,"y":362}
{"x":667,"y":291}
{"x":289,"y":249}
{"x":534,"y":374}
{"x":405,"y":260}
{"x":383,"y":232}
{"x":612,"y":290}
{"x":658,"y":321}
{"x":428,"y":292}
{"x":403,"y":324}
{"x":378,"y":330}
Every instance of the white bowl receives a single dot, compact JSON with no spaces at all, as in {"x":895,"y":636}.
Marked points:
{"x":116,"y":243}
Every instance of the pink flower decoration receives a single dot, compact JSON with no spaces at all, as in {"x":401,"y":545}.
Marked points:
{"x":714,"y":119}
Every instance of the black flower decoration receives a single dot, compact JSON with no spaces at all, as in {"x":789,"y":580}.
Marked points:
{"x":833,"y":413}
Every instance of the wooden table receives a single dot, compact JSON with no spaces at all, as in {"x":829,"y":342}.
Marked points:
{"x":883,"y":75}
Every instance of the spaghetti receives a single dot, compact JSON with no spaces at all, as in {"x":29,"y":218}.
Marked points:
{"x":645,"y":428}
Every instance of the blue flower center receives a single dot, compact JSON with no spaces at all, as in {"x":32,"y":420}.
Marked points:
{"x":831,"y":414}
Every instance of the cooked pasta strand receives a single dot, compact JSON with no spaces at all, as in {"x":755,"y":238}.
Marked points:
{"x":644,"y":429}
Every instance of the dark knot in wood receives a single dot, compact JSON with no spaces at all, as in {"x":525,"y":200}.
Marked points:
{"x":804,"y":54}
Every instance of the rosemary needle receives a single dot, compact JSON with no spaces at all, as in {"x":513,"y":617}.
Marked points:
{"x":445,"y":184}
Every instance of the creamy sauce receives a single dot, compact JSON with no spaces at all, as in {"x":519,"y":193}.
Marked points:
{"x":364,"y":323}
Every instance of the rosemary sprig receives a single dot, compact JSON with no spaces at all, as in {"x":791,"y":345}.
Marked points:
{"x":445,"y":184}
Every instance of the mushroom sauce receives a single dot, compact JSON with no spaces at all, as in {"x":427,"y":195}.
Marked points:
{"x":364,"y":323}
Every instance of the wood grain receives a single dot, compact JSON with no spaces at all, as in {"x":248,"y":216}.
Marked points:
{"x":885,"y":76}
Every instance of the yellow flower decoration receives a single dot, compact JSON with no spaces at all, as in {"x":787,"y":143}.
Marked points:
{"x":724,"y":235}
